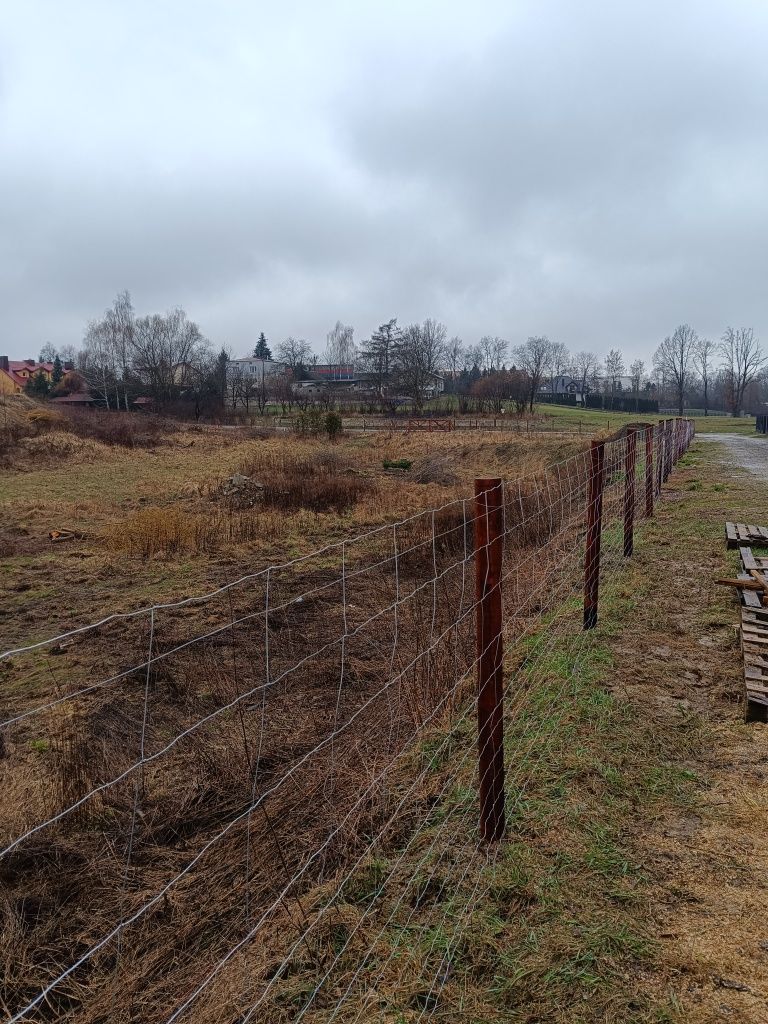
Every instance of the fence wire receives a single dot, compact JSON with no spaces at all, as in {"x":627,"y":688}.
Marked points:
{"x":251,"y":801}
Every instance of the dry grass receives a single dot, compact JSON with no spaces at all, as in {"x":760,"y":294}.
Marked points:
{"x":191,"y":793}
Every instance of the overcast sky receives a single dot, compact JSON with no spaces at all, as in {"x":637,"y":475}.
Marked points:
{"x":592,"y":171}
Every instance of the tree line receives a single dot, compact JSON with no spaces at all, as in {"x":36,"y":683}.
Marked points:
{"x":166,"y":357}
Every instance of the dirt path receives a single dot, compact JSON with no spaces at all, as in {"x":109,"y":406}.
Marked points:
{"x":750,"y":453}
{"x":707,"y":864}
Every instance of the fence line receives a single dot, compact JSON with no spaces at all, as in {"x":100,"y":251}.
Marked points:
{"x":277,"y":734}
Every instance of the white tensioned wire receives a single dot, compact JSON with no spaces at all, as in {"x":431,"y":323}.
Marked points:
{"x":153,"y":901}
{"x":257,"y":762}
{"x":138,"y":914}
{"x":141,"y":910}
{"x":328,"y":786}
{"x":239,"y":699}
{"x":619,"y":560}
{"x":125,"y":673}
{"x":302,"y":937}
{"x":473,"y":898}
{"x":278,"y":974}
{"x":247,"y":578}
{"x":450,"y":823}
{"x":371,"y":986}
{"x":405,"y":752}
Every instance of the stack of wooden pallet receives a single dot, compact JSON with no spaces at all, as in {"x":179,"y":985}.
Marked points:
{"x":752,"y":586}
{"x":739,"y":533}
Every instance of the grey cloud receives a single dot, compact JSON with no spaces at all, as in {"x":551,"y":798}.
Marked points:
{"x":593,"y":171}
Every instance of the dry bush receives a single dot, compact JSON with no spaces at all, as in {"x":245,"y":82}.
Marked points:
{"x":125,"y":429}
{"x":434,"y":470}
{"x":323,"y":483}
{"x":21,"y":418}
{"x":169,"y":532}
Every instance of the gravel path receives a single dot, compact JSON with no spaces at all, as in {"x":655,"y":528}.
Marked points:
{"x":748,"y":452}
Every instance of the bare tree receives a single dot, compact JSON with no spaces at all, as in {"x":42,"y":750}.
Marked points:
{"x":340,"y":348}
{"x":636,"y":371}
{"x":454,"y":356}
{"x":742,"y":360}
{"x":281,"y":390}
{"x":162,"y":348}
{"x":559,"y":360}
{"x":614,"y":369}
{"x":533,"y":359}
{"x":96,"y":362}
{"x":419,"y":356}
{"x":473,"y":356}
{"x":119,"y":326}
{"x":500,"y":388}
{"x":673,"y":360}
{"x":493,"y":350}
{"x":584,"y":366}
{"x":295,"y":353}
{"x":702,"y":363}
{"x":234,"y":385}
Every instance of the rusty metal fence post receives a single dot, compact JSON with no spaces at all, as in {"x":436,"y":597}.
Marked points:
{"x":489,"y":550}
{"x":670,"y":449}
{"x":649,"y":482}
{"x":594,"y":532}
{"x":630,"y":468}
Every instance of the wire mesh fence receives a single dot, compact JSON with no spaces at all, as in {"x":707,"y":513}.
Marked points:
{"x":243,"y":806}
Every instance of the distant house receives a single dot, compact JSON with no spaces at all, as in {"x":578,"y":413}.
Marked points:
{"x":15,"y":374}
{"x":252,"y":366}
{"x":77,"y":399}
{"x":436,"y":385}
{"x":332,"y":371}
{"x":562,"y":385}
{"x":349,"y":384}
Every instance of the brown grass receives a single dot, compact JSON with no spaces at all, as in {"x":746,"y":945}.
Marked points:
{"x":66,"y":886}
{"x":320,"y":481}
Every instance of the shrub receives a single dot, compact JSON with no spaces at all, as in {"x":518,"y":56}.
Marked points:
{"x":126,"y":429}
{"x":333,"y":425}
{"x":320,"y":484}
{"x":309,"y":421}
{"x":45,"y":419}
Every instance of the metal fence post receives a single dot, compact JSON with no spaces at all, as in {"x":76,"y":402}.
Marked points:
{"x":630,"y":465}
{"x":489,"y":549}
{"x":594,"y":532}
{"x":667,"y":450}
{"x":649,"y":470}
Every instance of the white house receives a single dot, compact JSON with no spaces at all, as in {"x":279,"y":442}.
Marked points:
{"x":252,"y":366}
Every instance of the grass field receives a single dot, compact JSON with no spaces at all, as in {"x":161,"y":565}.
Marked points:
{"x":154,"y":523}
{"x":597,"y":420}
{"x":630,"y":887}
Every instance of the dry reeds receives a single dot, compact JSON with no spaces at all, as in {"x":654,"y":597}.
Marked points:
{"x":318,"y":482}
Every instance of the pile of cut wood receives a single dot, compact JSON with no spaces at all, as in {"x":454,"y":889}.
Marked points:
{"x":752,"y":586}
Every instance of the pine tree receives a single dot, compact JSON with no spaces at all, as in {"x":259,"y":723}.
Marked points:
{"x":38,"y":386}
{"x":262,"y":350}
{"x":220,"y":374}
{"x":58,"y":371}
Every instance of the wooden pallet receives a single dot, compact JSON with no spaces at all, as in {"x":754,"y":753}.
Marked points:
{"x":754,"y":649}
{"x":741,"y":533}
